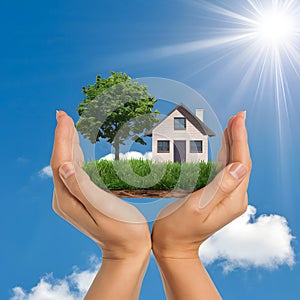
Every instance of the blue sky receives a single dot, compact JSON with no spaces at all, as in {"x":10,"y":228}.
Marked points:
{"x":50,"y":50}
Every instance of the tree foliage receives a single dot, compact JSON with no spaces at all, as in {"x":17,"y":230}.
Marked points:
{"x":116,"y":109}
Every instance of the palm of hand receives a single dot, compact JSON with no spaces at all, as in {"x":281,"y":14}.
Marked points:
{"x":183,"y":226}
{"x":120,"y":229}
{"x":117,"y":227}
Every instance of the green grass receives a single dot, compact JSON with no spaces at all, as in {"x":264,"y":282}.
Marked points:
{"x":138,"y":174}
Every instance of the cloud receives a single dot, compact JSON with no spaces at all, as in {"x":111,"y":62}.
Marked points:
{"x":45,"y":172}
{"x":249,"y":242}
{"x":72,"y":287}
{"x":129,"y":155}
{"x":244,"y":243}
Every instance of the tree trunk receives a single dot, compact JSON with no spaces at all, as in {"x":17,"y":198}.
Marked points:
{"x":117,"y":150}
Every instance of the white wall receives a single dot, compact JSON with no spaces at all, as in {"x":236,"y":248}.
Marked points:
{"x":165,"y":131}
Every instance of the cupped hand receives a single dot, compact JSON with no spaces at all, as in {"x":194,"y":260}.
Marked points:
{"x":116,"y":226}
{"x":185,"y":224}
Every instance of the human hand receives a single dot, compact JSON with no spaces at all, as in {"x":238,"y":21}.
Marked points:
{"x":185,"y":224}
{"x":117,"y":227}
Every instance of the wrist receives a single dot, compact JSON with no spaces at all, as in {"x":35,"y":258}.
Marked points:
{"x":140,"y":257}
{"x":176,"y":252}
{"x":133,"y":265}
{"x":186,"y":278}
{"x":119,"y":277}
{"x":137,"y":253}
{"x":173,"y":263}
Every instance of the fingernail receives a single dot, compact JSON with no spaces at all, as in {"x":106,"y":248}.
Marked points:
{"x":238,"y":171}
{"x":67,"y":169}
{"x":244,"y":115}
{"x":58,"y":114}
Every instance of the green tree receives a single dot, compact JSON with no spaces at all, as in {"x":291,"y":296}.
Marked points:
{"x":117,"y":109}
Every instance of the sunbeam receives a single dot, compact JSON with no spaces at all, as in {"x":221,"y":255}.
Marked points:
{"x":264,"y":37}
{"x":256,"y":43}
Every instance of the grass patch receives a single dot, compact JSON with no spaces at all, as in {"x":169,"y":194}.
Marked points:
{"x":137,"y":174}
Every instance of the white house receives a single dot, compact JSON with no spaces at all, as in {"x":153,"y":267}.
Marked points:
{"x":181,"y":136}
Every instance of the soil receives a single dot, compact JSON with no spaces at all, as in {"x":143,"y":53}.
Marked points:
{"x":150,"y":193}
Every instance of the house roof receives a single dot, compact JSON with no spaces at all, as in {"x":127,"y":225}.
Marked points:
{"x":189,"y":116}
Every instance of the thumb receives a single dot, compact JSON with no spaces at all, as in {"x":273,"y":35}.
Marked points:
{"x":223,"y":184}
{"x":94,"y":198}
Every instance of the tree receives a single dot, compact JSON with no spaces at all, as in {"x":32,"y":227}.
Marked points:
{"x":117,"y":109}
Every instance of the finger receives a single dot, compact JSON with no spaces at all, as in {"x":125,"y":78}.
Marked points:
{"x":66,"y":139}
{"x":229,"y":125}
{"x":63,"y":141}
{"x":62,"y":150}
{"x":95,"y":199}
{"x":80,"y":220}
{"x":227,"y":210}
{"x":78,"y":156}
{"x":240,"y":151}
{"x":223,"y":185}
{"x":57,"y":208}
{"x":239,"y":143}
{"x":223,"y":156}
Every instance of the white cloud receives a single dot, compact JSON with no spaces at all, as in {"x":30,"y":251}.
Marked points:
{"x":72,"y":287}
{"x":46,"y":172}
{"x":250,"y":242}
{"x":129,"y":155}
{"x":246,"y":242}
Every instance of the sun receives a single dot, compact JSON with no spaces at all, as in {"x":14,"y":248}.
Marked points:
{"x":276,"y":28}
{"x":262,"y":39}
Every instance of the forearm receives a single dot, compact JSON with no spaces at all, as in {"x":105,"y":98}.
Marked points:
{"x":118,"y":279}
{"x":186,"y":279}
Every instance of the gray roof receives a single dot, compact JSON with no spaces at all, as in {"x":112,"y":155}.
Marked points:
{"x":189,"y":116}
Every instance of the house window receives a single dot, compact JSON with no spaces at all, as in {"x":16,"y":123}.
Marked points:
{"x":196,"y":146}
{"x":163,"y":146}
{"x":179,"y":123}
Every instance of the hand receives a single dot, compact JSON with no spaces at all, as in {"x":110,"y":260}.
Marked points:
{"x":117,"y":227}
{"x":185,"y":224}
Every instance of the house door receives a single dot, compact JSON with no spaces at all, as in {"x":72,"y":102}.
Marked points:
{"x":179,"y":151}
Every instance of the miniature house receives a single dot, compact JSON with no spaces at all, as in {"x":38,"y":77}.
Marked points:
{"x":181,"y":137}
